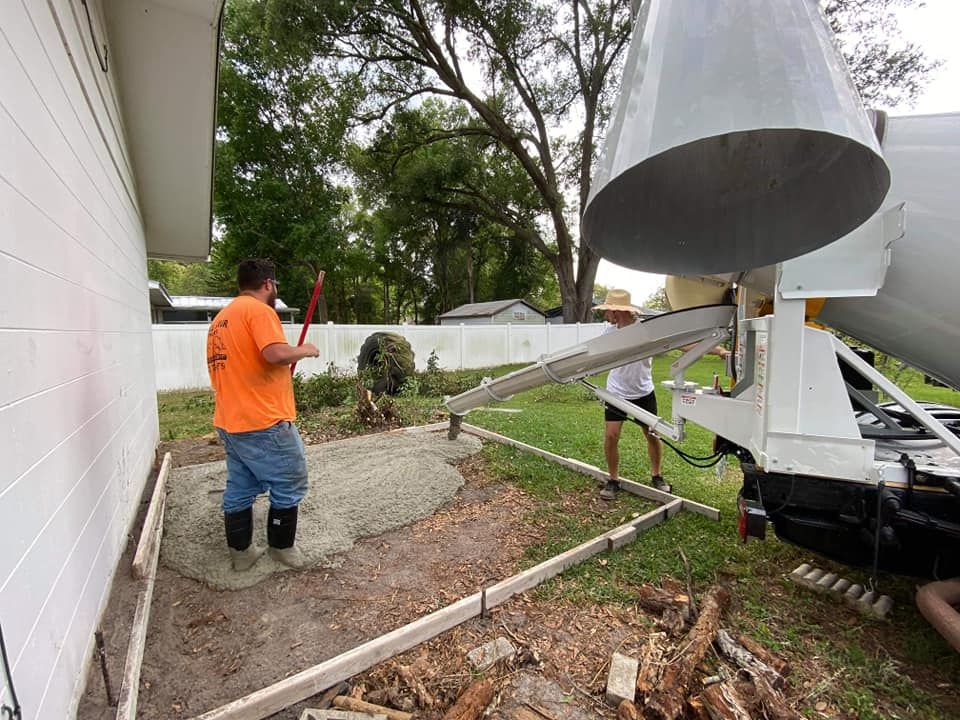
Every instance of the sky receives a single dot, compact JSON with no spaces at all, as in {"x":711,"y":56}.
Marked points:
{"x":934,"y":28}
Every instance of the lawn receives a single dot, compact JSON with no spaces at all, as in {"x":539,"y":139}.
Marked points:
{"x":859,"y":667}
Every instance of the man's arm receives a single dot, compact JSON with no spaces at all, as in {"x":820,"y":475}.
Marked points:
{"x":719,"y":350}
{"x":284,"y":354}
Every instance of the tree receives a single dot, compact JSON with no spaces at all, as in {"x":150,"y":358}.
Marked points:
{"x":541,"y":66}
{"x":532,"y":81}
{"x":179,"y":278}
{"x":280,"y":131}
{"x":526,"y":70}
{"x":442,"y":252}
{"x":888,"y":71}
{"x":658,"y":300}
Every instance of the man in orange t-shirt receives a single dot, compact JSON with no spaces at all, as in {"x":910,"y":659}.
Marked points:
{"x":248,"y":359}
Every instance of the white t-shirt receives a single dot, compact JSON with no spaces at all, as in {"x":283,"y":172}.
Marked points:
{"x":633,"y":380}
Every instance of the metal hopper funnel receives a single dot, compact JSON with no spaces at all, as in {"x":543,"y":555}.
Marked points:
{"x":738,"y":141}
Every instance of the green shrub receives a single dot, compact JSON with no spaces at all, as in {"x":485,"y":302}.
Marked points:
{"x":327,"y":389}
{"x":432,"y":379}
{"x":436,"y":383}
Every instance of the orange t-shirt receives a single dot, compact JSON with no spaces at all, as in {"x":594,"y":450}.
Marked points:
{"x":250,"y":393}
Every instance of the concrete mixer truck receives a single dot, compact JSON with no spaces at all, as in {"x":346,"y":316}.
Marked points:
{"x":740,"y":162}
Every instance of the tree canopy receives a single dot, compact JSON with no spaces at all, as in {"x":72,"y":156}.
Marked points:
{"x":888,"y":71}
{"x":533,"y":77}
{"x":281,"y":126}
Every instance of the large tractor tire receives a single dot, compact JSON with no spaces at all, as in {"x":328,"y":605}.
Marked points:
{"x":389,"y":359}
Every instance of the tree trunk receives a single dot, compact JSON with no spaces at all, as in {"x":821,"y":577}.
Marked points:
{"x":568,"y":291}
{"x":767,"y":656}
{"x":322,"y":312}
{"x":735,"y":652}
{"x":472,"y":702}
{"x":723,"y":702}
{"x":651,"y":664}
{"x":770,"y":700}
{"x":471,"y":281}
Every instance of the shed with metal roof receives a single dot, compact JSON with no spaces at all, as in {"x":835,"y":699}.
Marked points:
{"x":495,"y":312}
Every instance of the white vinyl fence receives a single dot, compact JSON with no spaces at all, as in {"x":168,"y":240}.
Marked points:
{"x":180,"y":350}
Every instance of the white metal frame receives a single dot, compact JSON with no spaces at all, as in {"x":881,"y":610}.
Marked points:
{"x":792,"y":410}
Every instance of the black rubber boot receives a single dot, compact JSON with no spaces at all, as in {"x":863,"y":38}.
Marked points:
{"x":660,"y":484}
{"x":282,"y":527}
{"x":610,"y":490}
{"x":281,"y":533}
{"x":239,"y":528}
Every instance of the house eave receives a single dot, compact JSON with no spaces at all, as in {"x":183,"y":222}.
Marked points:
{"x":166,"y":57}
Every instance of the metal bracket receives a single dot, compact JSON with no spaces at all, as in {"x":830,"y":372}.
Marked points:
{"x":549,"y":373}
{"x":485,"y":384}
{"x":906,"y":402}
{"x":656,"y":423}
{"x":696,"y":352}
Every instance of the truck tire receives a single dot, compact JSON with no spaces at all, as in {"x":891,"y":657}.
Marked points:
{"x":389,"y":357}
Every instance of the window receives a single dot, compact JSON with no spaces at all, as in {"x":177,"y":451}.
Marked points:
{"x":519,"y":315}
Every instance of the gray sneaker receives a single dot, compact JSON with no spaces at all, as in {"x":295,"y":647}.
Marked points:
{"x":659,"y":483}
{"x":610,"y":489}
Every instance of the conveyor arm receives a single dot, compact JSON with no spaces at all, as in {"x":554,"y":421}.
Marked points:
{"x":640,"y":340}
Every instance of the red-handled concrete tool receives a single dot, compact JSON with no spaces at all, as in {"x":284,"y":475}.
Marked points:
{"x":317,"y":289}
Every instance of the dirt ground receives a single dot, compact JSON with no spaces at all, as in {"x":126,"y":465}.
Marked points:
{"x":207,"y":647}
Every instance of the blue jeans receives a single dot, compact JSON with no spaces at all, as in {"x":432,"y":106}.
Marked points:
{"x":259,"y":461}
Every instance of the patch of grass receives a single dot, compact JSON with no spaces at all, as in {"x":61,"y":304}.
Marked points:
{"x":327,"y":389}
{"x":320,"y":406}
{"x":185,"y":414}
{"x":911,"y":382}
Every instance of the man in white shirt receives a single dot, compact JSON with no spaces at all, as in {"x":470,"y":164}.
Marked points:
{"x":634,"y":383}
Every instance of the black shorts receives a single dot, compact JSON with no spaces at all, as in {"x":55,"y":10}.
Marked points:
{"x":647,"y":402}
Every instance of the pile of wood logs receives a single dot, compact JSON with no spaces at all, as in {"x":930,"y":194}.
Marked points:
{"x":672,"y":681}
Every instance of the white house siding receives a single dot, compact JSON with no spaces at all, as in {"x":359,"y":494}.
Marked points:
{"x":78,"y":422}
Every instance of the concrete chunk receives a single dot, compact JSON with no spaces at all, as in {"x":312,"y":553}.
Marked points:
{"x":486,"y":656}
{"x":622,"y":679}
{"x":869,"y":602}
{"x":853,"y":593}
{"x":333,"y":714}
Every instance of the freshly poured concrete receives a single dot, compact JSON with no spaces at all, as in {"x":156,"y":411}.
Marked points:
{"x":358,"y":488}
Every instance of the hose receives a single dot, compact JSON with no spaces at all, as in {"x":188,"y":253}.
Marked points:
{"x":935,"y":602}
{"x":707,"y":461}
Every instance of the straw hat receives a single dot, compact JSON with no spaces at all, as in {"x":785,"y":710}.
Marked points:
{"x":617,"y":300}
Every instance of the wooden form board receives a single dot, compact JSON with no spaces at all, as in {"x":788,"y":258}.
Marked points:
{"x":130,"y":685}
{"x":318,"y":678}
{"x":505,"y":589}
{"x":644,"y":491}
{"x":153,"y":524}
